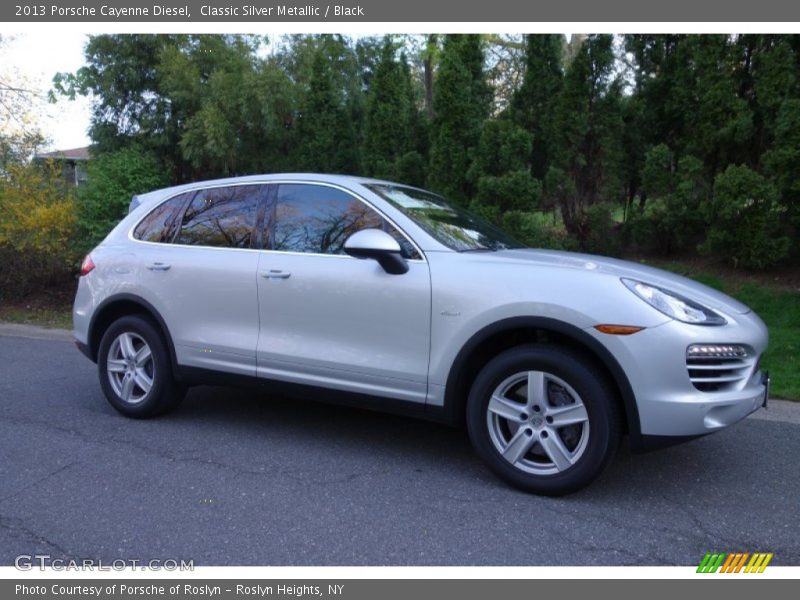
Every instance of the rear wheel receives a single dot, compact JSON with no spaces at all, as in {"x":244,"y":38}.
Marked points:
{"x":544,"y":419}
{"x":135,"y":369}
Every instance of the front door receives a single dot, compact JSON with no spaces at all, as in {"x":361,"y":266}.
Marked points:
{"x":331,"y":320}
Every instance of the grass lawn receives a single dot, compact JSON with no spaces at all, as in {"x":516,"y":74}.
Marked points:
{"x":776,"y":302}
{"x":52,"y":317}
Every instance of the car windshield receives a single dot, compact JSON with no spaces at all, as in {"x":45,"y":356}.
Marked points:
{"x":452,"y":226}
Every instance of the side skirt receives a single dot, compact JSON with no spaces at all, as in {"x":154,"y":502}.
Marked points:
{"x":198,"y":376}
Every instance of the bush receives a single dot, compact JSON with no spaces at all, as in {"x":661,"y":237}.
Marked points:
{"x":745,"y":220}
{"x":515,"y":190}
{"x":112,"y":180}
{"x":664,"y":225}
{"x":501,"y":173}
{"x":603,"y":233}
{"x":538,"y":230}
{"x":671,"y":218}
{"x":650,"y":228}
{"x":410,"y":169}
{"x":37,"y":230}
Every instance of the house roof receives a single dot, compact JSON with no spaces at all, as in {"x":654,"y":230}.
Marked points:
{"x":71,"y":154}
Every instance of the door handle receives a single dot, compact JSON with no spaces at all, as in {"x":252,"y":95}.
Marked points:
{"x":275,"y":274}
{"x":159,"y":266}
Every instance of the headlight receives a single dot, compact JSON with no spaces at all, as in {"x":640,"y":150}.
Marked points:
{"x":674,"y":305}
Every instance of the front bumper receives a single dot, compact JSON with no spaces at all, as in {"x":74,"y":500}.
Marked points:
{"x":669,"y":405}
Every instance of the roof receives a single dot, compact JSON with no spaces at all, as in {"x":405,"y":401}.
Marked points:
{"x":156,"y":195}
{"x":70,"y":154}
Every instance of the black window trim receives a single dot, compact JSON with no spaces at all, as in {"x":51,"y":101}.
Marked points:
{"x":273,"y":198}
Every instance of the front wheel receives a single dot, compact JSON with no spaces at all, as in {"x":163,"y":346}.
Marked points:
{"x":135,"y":369}
{"x":544,"y":419}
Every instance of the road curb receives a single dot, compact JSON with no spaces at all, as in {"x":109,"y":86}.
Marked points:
{"x":34,"y":332}
{"x":785,"y":411}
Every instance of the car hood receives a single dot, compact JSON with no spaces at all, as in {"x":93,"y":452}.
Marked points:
{"x":622,"y":268}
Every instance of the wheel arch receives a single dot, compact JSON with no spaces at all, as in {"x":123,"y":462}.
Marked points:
{"x":507,"y":333}
{"x":122,"y":305}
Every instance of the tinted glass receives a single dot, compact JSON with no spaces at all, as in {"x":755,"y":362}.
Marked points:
{"x":319,"y":219}
{"x":221,"y":217}
{"x":450,"y":225}
{"x":155,"y":226}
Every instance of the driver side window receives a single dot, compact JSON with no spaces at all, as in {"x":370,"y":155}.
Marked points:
{"x":318,"y":219}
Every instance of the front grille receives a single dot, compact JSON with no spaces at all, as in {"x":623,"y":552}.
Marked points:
{"x":718,"y":368}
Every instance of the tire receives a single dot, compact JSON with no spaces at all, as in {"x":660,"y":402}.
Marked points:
{"x":554,"y":441}
{"x":136,"y":385}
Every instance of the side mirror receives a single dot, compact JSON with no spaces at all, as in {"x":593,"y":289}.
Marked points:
{"x":377,"y":245}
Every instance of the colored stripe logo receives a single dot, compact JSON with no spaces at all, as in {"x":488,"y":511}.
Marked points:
{"x":735,"y":562}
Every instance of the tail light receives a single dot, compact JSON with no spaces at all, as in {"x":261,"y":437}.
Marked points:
{"x":87,"y":266}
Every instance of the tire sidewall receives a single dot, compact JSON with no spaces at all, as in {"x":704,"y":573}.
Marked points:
{"x":162,"y":375}
{"x":587,"y":383}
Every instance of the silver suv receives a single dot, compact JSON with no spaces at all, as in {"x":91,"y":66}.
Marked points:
{"x":361,"y":291}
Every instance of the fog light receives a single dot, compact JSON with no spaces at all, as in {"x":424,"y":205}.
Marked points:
{"x":716,"y":351}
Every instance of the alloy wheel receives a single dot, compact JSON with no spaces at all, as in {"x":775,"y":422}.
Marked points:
{"x":538,"y":422}
{"x":130,"y":367}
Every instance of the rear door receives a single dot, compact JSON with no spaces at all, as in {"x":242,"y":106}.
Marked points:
{"x":200,"y":273}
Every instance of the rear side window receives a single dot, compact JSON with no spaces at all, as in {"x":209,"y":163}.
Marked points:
{"x":222,"y":217}
{"x":155,"y":227}
{"x":318,"y":219}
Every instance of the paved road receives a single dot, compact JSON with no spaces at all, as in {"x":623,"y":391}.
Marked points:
{"x":235,"y":478}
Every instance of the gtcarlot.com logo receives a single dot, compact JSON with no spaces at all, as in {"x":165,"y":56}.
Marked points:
{"x":734,"y":562}
{"x":28,"y":562}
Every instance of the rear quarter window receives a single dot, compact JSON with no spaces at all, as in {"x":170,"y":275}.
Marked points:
{"x":157,"y":225}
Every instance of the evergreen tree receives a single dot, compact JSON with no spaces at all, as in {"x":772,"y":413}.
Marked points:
{"x":501,"y":171}
{"x":587,"y":155}
{"x":346,"y":76}
{"x":326,"y":136}
{"x":718,"y":121}
{"x":782,"y":161}
{"x":390,"y":118}
{"x":567,"y":137}
{"x":765,"y":76}
{"x":533,"y":104}
{"x":461,"y":101}
{"x":656,"y":93}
